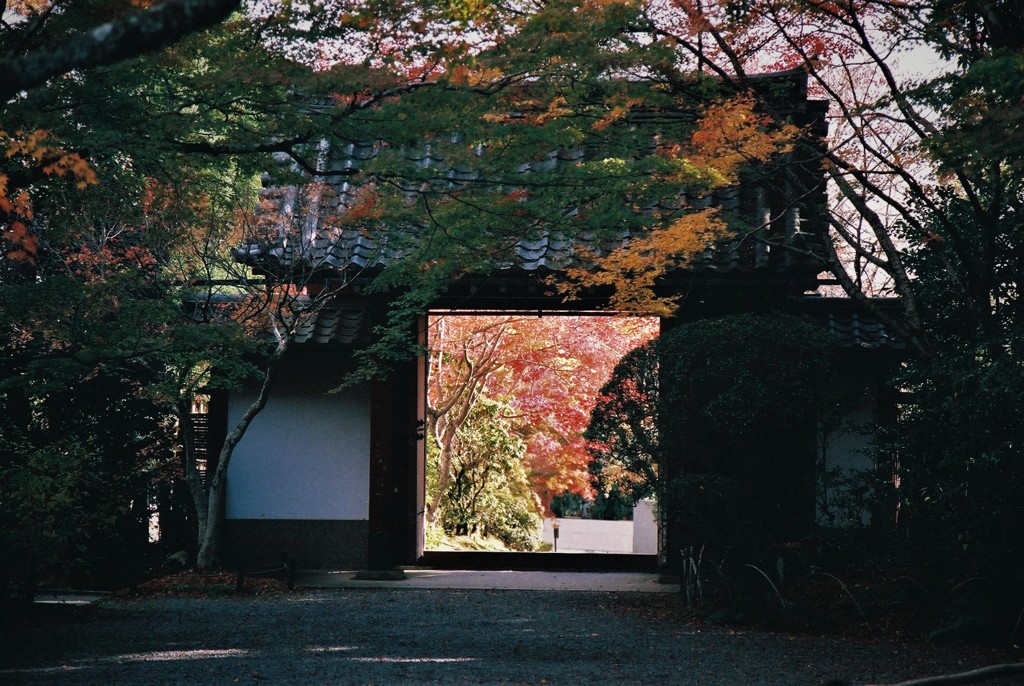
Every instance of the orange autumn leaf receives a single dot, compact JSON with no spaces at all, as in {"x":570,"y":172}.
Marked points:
{"x":51,"y":159}
{"x":633,"y":269}
{"x":366,"y":205}
{"x":24,"y":243}
{"x":731,"y":134}
{"x":513,"y":196}
{"x":16,"y":211}
{"x":618,"y":109}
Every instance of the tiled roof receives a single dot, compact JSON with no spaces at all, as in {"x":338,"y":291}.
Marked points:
{"x":307,"y":233}
{"x":343,"y":325}
{"x":852,"y":326}
{"x":861,"y":330}
{"x":330,"y":322}
{"x":301,"y":226}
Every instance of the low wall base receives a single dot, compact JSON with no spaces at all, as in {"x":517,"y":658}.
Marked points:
{"x":313,"y":543}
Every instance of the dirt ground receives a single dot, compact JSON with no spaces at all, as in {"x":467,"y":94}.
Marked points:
{"x":434,"y":636}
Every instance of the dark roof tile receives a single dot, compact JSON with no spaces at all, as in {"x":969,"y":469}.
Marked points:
{"x":851,"y":325}
{"x":343,"y":325}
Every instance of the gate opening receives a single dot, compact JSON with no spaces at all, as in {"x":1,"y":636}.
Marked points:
{"x":524,"y":451}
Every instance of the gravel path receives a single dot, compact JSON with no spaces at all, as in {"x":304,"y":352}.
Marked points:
{"x":438,"y":636}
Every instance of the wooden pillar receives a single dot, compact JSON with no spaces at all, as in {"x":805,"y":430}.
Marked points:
{"x":669,"y":468}
{"x":379,"y":545}
{"x":419,"y":473}
{"x":395,"y":435}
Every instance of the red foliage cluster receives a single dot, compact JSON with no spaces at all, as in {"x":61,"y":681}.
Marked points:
{"x":548,"y":372}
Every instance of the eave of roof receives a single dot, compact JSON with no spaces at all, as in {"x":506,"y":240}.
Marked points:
{"x":852,"y":326}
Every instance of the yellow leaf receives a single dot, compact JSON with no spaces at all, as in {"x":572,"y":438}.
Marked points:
{"x":633,"y":269}
{"x":731,"y":134}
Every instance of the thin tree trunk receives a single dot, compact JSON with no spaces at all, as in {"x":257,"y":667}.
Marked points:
{"x":446,"y":415}
{"x":210,"y":543}
{"x":444,"y":451}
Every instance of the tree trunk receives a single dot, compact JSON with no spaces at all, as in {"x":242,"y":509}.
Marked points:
{"x":210,"y":542}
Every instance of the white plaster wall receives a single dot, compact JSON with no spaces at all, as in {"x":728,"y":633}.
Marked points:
{"x":846,"y":449}
{"x":590,"y":536}
{"x":645,"y":528}
{"x":305,"y":456}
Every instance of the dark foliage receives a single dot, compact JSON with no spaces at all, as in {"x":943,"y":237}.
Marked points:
{"x":738,"y":406}
{"x":623,"y":434}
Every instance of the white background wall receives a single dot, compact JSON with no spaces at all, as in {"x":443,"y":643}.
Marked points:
{"x":599,"y":536}
{"x":645,"y":528}
{"x":845,"y":449}
{"x":306,"y":456}
{"x":846,"y":446}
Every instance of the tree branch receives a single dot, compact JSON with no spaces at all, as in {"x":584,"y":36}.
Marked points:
{"x":125,"y":37}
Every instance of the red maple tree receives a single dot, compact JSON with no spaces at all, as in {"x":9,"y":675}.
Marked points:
{"x":547,"y":371}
